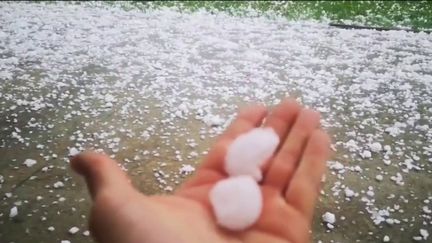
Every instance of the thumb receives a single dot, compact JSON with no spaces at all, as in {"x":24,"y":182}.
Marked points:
{"x":101,"y":173}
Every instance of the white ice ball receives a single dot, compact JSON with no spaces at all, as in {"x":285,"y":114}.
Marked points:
{"x":237,"y":202}
{"x":329,"y":218}
{"x":13,"y":212}
{"x":249,"y":151}
{"x":375,"y":147}
{"x":29,"y":162}
{"x":366,"y":154}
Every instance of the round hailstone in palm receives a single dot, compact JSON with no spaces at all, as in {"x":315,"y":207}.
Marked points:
{"x":249,"y":151}
{"x":237,"y":202}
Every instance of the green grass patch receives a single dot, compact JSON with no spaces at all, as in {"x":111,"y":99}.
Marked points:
{"x":412,"y":14}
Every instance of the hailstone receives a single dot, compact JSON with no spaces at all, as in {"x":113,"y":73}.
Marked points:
{"x":237,"y":202}
{"x":250,"y":151}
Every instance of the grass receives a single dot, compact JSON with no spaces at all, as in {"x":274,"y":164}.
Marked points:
{"x":412,"y":14}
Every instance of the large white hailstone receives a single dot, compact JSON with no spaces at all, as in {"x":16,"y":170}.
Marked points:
{"x":424,"y":233}
{"x":73,"y":230}
{"x":73,"y":151}
{"x":249,"y":151}
{"x":366,"y":154}
{"x":349,"y":193}
{"x":29,"y":162}
{"x":329,"y":218}
{"x":13,"y":212}
{"x":375,"y":147}
{"x":237,"y":202}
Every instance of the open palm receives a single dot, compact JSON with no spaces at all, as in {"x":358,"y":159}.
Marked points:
{"x":290,"y":188}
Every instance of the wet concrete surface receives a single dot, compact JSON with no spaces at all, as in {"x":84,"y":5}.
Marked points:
{"x":154,"y":89}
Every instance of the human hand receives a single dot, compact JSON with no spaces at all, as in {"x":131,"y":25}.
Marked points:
{"x":290,"y":188}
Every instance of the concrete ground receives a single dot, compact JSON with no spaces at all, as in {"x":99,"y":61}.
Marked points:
{"x":154,"y":88}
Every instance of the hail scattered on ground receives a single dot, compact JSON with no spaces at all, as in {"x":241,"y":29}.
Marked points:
{"x":153,"y":88}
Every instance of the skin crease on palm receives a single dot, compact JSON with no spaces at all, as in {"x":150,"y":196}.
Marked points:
{"x":290,"y":188}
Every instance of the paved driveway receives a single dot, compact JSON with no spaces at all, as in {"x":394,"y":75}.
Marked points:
{"x":154,"y":88}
